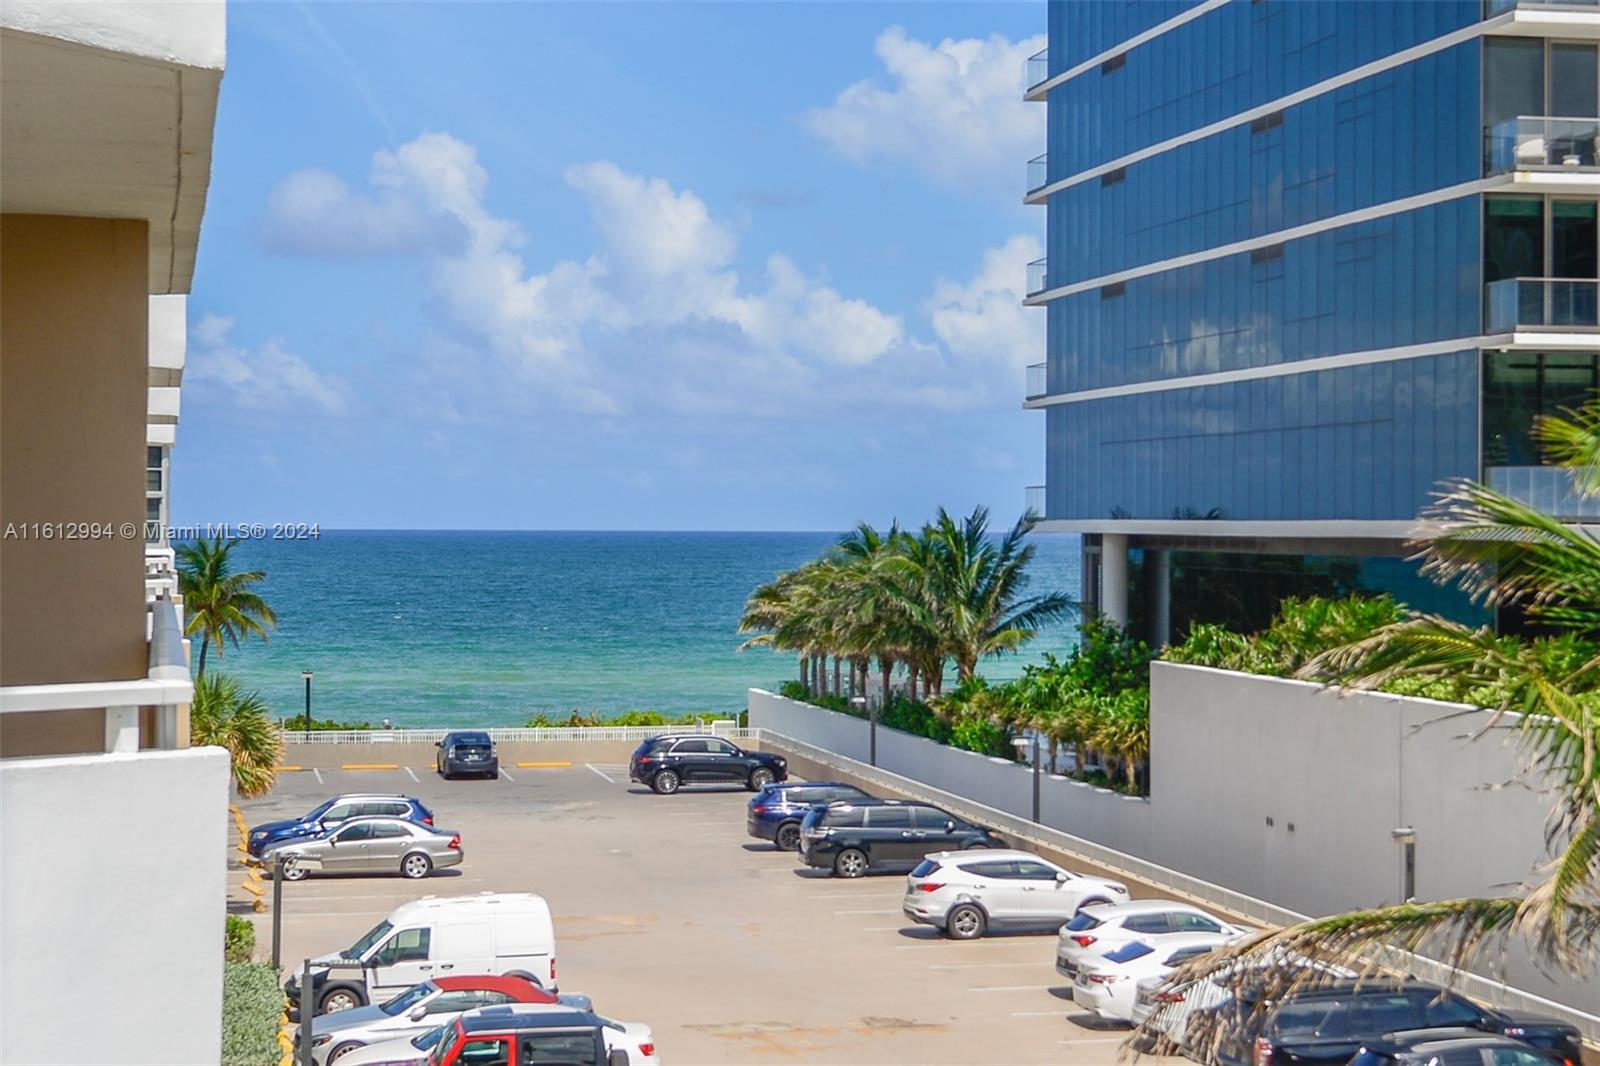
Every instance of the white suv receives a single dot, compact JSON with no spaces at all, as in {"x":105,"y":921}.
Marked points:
{"x":965,"y":892}
{"x":1094,"y":931}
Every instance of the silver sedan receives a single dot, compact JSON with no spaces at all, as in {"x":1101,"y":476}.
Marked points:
{"x":368,"y":845}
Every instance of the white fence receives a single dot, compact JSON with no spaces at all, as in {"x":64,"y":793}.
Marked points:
{"x":722,"y":727}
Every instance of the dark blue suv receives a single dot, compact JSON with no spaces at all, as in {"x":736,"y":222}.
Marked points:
{"x":777,"y":810}
{"x":332,"y":813}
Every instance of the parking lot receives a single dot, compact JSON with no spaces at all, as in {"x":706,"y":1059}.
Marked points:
{"x":667,"y":913}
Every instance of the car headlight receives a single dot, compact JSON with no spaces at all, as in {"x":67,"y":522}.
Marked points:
{"x":325,"y":1038}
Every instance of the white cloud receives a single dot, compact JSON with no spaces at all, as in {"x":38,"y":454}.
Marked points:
{"x":266,"y":378}
{"x":954,"y":110}
{"x":983,"y":319}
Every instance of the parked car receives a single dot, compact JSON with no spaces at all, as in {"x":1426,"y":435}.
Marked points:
{"x":332,"y":813}
{"x":413,"y":1012}
{"x":776,"y":811}
{"x":1330,"y":1023}
{"x":1452,"y":1047}
{"x":507,"y":933}
{"x":466,"y":752}
{"x":1094,"y":931}
{"x":965,"y":893}
{"x":494,"y":1035}
{"x":666,"y":763}
{"x":368,"y":845}
{"x":1108,"y":986}
{"x":852,"y":838}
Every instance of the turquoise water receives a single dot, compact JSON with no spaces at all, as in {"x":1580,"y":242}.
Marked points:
{"x":489,"y":628}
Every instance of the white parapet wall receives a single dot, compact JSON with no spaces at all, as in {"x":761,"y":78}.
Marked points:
{"x":1281,"y":790}
{"x":113,"y":885}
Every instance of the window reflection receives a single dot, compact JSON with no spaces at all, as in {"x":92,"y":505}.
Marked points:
{"x":1518,"y":387}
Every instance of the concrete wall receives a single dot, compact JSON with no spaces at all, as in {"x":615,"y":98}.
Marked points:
{"x":113,"y":886}
{"x":73,"y":339}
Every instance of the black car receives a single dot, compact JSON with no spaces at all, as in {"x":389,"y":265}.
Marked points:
{"x":851,"y":838}
{"x":1452,"y":1047}
{"x":1330,"y":1023}
{"x":669,"y":762}
{"x":467,"y":752}
{"x":776,"y":811}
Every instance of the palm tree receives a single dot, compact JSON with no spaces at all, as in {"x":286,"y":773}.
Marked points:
{"x":219,"y":603}
{"x":1506,"y":555}
{"x":226,"y":716}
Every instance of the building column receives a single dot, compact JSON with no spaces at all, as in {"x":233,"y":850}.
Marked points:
{"x":122,"y":729}
{"x":1158,"y":576}
{"x":1114,"y":577}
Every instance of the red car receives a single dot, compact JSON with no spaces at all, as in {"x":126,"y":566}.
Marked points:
{"x":506,"y":1036}
{"x":416,"y":1010}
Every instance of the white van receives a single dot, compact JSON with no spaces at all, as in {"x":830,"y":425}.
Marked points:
{"x":503,"y":933}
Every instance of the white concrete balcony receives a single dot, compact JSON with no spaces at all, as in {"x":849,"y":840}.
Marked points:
{"x":169,"y":339}
{"x":1539,"y":144}
{"x":1578,"y":19}
{"x":164,"y":404}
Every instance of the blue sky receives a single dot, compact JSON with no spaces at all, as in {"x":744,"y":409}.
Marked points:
{"x":615,"y":266}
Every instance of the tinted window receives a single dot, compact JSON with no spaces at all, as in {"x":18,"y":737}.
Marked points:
{"x":484,"y":1053}
{"x":845,"y":792}
{"x":339,"y":813}
{"x":933,"y":818}
{"x":1183,"y":955}
{"x":359,"y":831}
{"x":569,"y":1049}
{"x":889,"y":818}
{"x":1147,"y":923}
{"x":1511,"y":1056}
{"x":1035,"y":871}
{"x":1082,"y":921}
{"x":720,"y":747}
{"x":1313,"y":1017}
{"x":1439,"y":1010}
{"x":925,"y":868}
{"x":1004,"y":870}
{"x":388,"y":830}
{"x":690,"y":747}
{"x":1129,"y":952}
{"x":1183,"y":922}
{"x":844,"y":817}
{"x":408,"y":945}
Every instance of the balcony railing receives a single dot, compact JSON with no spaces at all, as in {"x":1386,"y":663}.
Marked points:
{"x":1548,"y":488}
{"x":1038,"y":173}
{"x":1038,"y":276}
{"x":1033,"y":499}
{"x":1563,"y":303}
{"x":1038,"y":68}
{"x":1536,"y":142}
{"x":1036,"y":384}
{"x":1491,"y":8}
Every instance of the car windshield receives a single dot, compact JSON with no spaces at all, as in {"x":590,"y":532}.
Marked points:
{"x":372,"y":936}
{"x":424,"y":1041}
{"x":409,"y":998}
{"x":1129,"y":952}
{"x":318,"y":811}
{"x":449,"y":1037}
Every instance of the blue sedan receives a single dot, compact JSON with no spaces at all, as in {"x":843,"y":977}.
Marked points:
{"x":776,"y":811}
{"x":331,"y":814}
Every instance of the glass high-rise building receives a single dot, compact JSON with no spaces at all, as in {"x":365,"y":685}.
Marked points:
{"x":1307,"y":260}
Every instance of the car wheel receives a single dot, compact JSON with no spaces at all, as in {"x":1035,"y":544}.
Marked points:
{"x":787,"y":837}
{"x":666,"y":782}
{"x":965,"y":922}
{"x":340,"y":999}
{"x":416,"y":865}
{"x":342,"y":1050}
{"x":852,"y":862}
{"x":291,"y":870}
{"x":760,"y":779}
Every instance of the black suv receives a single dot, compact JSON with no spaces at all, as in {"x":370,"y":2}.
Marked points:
{"x":850,"y":838}
{"x":1452,"y":1047}
{"x":466,"y":753}
{"x":1329,"y":1024}
{"x":669,"y":762}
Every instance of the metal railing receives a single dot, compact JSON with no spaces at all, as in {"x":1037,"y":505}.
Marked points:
{"x":1038,"y":276}
{"x":1550,"y":489}
{"x":1037,"y":375}
{"x":1565,"y":303}
{"x":1033,"y":499}
{"x":1038,"y":173}
{"x":1539,"y":142}
{"x":722,"y":727}
{"x":1038,"y":69}
{"x":1492,"y":8}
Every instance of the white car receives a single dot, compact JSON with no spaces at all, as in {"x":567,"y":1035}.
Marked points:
{"x":635,"y":1038}
{"x":967,"y":892}
{"x":1094,"y":931}
{"x":1108,"y":986}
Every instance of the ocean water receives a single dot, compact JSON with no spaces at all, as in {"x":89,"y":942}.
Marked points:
{"x":434,"y":628}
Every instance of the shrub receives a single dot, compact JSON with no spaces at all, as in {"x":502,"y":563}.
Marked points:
{"x":238,"y":940}
{"x":298,"y":723}
{"x":252,"y":1006}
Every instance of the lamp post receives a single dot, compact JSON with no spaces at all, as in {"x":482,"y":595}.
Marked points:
{"x":307,"y":675}
{"x":1020,"y":743}
{"x":1406,"y":837}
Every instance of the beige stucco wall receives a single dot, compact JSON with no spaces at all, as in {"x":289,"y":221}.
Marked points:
{"x":73,"y":335}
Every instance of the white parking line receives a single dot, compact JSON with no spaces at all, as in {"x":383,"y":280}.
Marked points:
{"x":318,"y":773}
{"x":873,"y":911}
{"x":508,"y":777}
{"x":1010,"y":988}
{"x":980,"y":965}
{"x":1038,"y":1014}
{"x":410,"y":774}
{"x":601,"y":772}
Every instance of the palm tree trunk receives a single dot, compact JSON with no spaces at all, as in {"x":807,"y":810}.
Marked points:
{"x":838,"y":689}
{"x":911,"y":682}
{"x":805,"y":671}
{"x":205,"y":644}
{"x":886,"y":664}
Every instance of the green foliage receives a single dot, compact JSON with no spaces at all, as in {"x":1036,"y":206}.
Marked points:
{"x":1301,"y":630}
{"x":238,"y":940}
{"x":298,"y":722}
{"x":220,"y":604}
{"x":225,"y":715}
{"x":252,"y":1006}
{"x":591,"y":719}
{"x":980,"y":735}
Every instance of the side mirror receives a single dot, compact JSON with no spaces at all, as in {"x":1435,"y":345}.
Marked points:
{"x":1061,"y":877}
{"x":949,"y":827}
{"x":418,"y":1013}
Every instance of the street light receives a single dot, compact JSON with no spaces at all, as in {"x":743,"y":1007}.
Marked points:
{"x":1406,"y":836}
{"x":1020,"y":743}
{"x":307,"y":675}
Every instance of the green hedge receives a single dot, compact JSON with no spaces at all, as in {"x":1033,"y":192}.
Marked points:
{"x":239,"y":940}
{"x":252,"y":1008}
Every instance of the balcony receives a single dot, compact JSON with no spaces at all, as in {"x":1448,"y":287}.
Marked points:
{"x":1548,"y":488}
{"x":1033,"y":499}
{"x":1541,"y":303}
{"x":1038,"y":174}
{"x":1038,"y":72}
{"x":1529,"y":142}
{"x":1038,"y":277}
{"x":1491,"y":8}
{"x":1037,"y":381}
